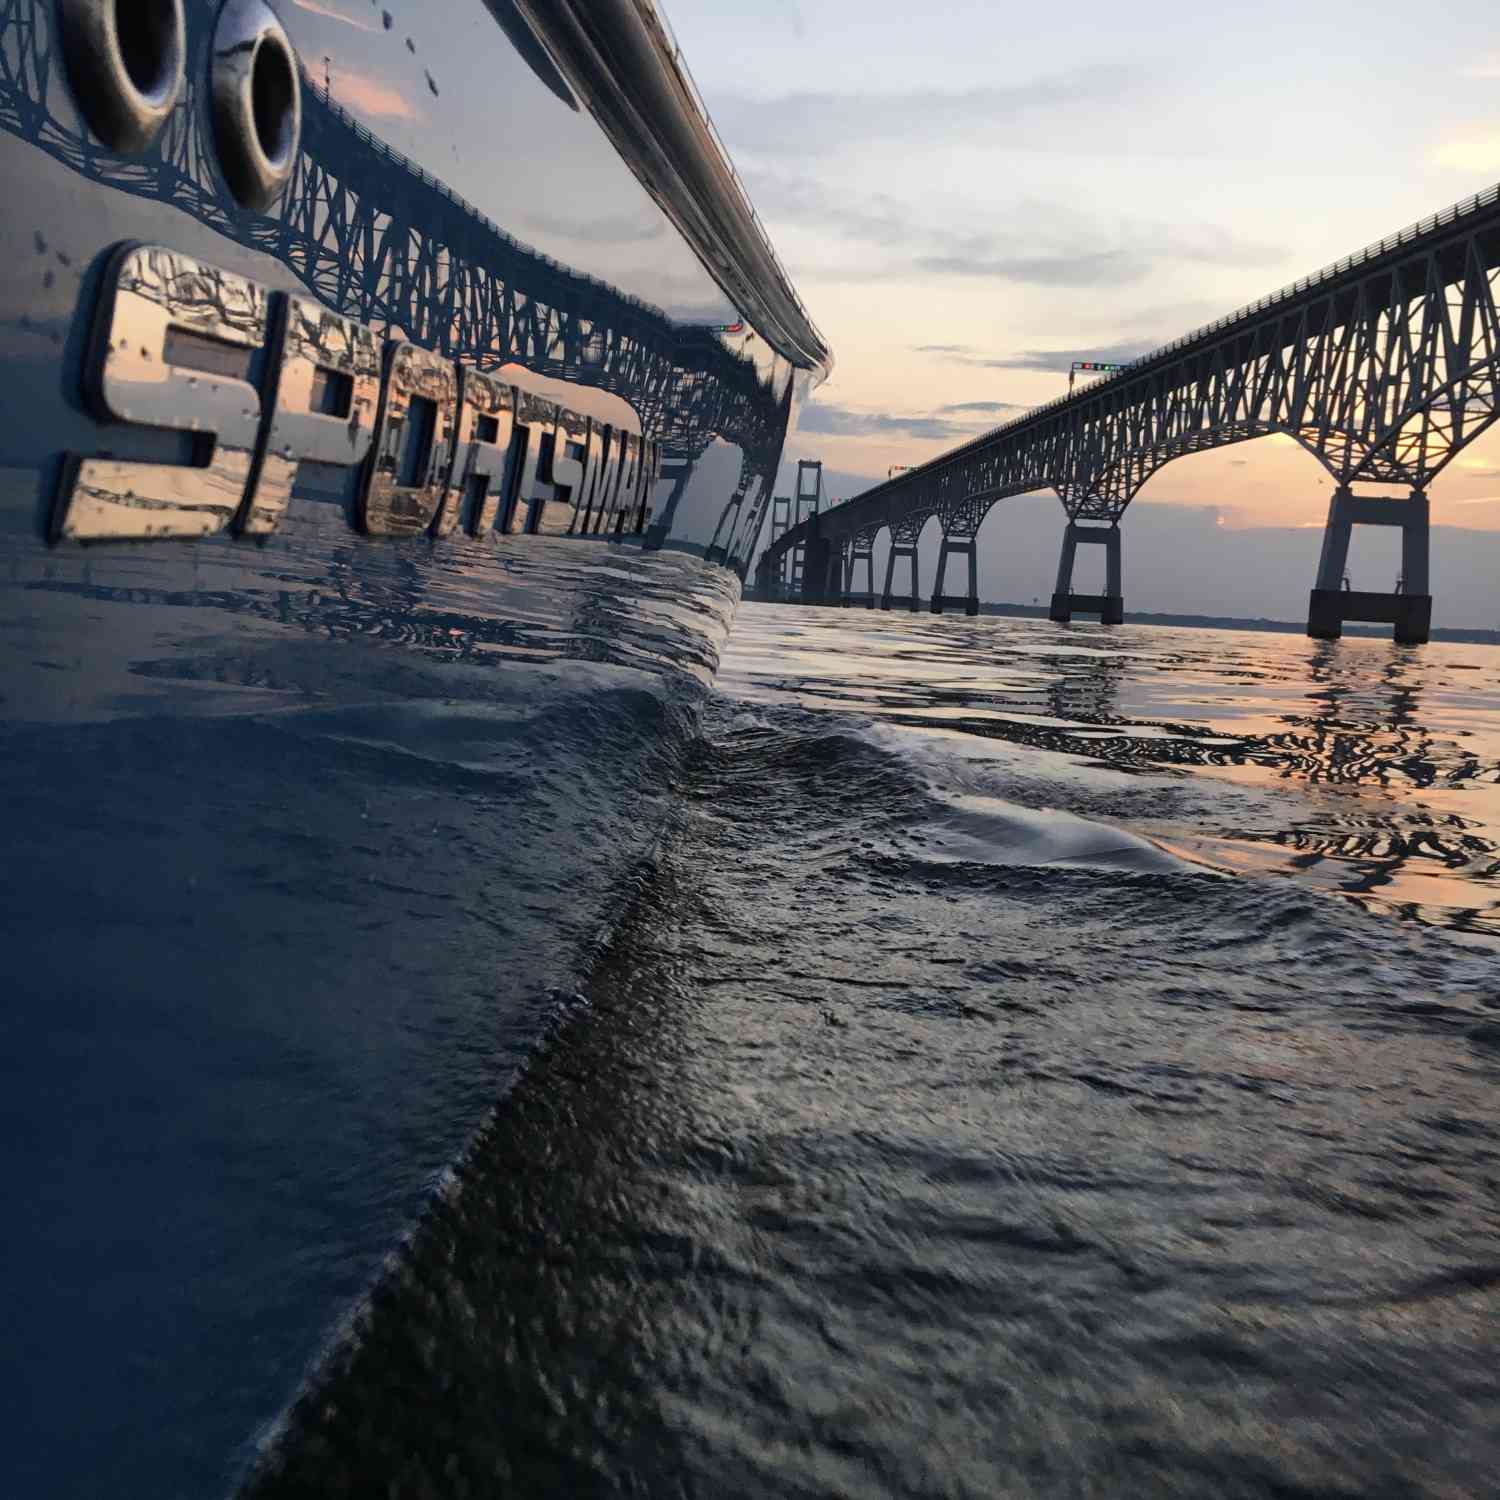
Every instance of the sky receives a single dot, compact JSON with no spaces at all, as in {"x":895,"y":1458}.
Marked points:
{"x":968,"y":196}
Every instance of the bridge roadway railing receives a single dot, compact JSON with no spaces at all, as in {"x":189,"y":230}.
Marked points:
{"x":1384,"y":365}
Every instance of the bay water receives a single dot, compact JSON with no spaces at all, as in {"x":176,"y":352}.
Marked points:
{"x":1034,"y":1060}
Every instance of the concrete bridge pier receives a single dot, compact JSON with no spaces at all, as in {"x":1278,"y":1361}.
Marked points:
{"x":910,"y":553}
{"x":833,"y":578}
{"x":906,"y":535}
{"x":1110,"y":605}
{"x":821,"y":566}
{"x":961,"y":546}
{"x":1409,"y":608}
{"x":861,"y":550}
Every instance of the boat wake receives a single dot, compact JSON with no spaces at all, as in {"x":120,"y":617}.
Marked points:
{"x":918,"y":1140}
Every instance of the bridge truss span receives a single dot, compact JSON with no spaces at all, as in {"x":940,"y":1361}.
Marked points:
{"x":1383,"y":367}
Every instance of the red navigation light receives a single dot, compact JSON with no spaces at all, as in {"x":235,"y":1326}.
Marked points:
{"x":1090,"y":367}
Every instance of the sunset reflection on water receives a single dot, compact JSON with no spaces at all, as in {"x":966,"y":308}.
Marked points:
{"x":1357,"y":766}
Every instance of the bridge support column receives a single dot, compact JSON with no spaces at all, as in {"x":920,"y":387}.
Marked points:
{"x":1110,"y":605}
{"x":899,"y":549}
{"x":905,"y":539}
{"x":1409,"y":609}
{"x":833,"y":582}
{"x":962,"y":546}
{"x":729,"y":520}
{"x":862,"y":550}
{"x":819,"y":562}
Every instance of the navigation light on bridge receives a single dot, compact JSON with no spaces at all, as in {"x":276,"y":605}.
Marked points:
{"x":1091,"y":367}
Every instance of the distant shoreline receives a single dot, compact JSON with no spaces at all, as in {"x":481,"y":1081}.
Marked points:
{"x":1214,"y":622}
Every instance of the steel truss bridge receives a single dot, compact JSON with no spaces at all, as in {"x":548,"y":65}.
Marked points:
{"x":380,"y":240}
{"x":1383,"y":366}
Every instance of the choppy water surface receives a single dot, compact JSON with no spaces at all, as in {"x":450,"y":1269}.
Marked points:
{"x":1367,"y":769}
{"x":990,"y":1091}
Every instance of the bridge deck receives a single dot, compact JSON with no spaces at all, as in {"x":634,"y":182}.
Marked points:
{"x":1372,"y":362}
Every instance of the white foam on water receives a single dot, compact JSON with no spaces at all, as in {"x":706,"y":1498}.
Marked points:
{"x":984,"y":830}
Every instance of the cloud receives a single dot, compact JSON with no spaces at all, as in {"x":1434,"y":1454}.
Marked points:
{"x":1034,"y":241}
{"x":1086,"y":269}
{"x":1047,"y":250}
{"x":829,"y":420}
{"x":877,"y":218}
{"x":1487,"y":68}
{"x":323,"y":8}
{"x":611,"y":229}
{"x":989,"y":407}
{"x":1053,"y":360}
{"x":817,"y":122}
{"x":371,"y":98}
{"x":1169,"y":318}
{"x":1477,"y":153}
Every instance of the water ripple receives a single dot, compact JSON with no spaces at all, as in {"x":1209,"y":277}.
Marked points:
{"x":898,"y":1154}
